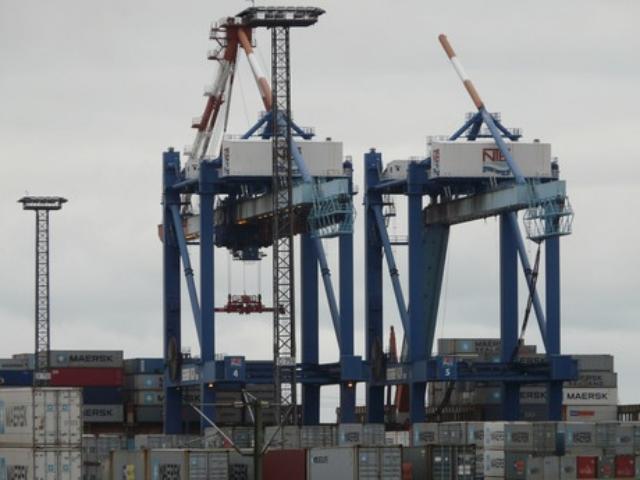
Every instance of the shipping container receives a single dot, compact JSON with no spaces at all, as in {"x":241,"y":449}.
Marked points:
{"x":97,"y":448}
{"x":208,"y":465}
{"x":516,"y":465}
{"x":350,"y":434}
{"x":373,"y":434}
{"x":40,"y":464}
{"x":317,"y":436}
{"x":590,"y":413}
{"x":127,"y":464}
{"x":332,"y":463}
{"x":518,"y":437}
{"x":144,"y":382}
{"x":483,"y":159}
{"x":575,"y":437}
{"x":594,"y":379}
{"x":551,"y":467}
{"x":148,"y":414}
{"x":241,"y":466}
{"x":494,"y":435}
{"x":568,"y":470}
{"x":425,"y":434}
{"x":16,"y":378}
{"x":253,"y":158}
{"x":102,"y":395}
{"x":147,"y":397}
{"x":586,"y":466}
{"x":103,"y":413}
{"x":606,"y":466}
{"x":590,"y":396}
{"x":86,"y":359}
{"x":86,"y":377}
{"x":15,"y":364}
{"x":493,"y":463}
{"x":287,"y":463}
{"x":136,"y":366}
{"x":416,"y":457}
{"x":401,"y":438}
{"x":625,"y":466}
{"x":594,"y":363}
{"x":40,"y":417}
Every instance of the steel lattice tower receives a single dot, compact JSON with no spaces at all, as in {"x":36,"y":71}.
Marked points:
{"x":284,"y":341}
{"x":42,"y":206}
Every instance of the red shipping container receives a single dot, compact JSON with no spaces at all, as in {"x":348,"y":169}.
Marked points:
{"x":587,"y":467}
{"x":407,"y":471}
{"x":87,"y":377}
{"x":281,"y":464}
{"x":625,"y":466}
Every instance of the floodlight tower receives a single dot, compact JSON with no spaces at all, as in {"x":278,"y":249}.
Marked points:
{"x":42,"y":206}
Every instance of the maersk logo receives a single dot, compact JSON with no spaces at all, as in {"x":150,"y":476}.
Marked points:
{"x":98,"y":412}
{"x":588,"y":396}
{"x":90,"y":358}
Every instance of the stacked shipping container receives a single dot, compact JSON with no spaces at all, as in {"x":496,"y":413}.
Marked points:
{"x":41,"y":433}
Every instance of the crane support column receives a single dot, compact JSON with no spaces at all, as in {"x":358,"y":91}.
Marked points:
{"x":171,"y":297}
{"x":373,"y":290}
{"x":347,"y":389}
{"x":509,"y":313}
{"x":417,"y":333}
{"x":309,"y":323}
{"x":552,"y":298}
{"x":208,"y":176}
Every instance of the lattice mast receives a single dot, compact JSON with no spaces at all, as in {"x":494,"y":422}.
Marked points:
{"x":284,"y":341}
{"x":42,"y":206}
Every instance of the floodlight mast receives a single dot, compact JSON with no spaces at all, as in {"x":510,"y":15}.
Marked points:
{"x":42,"y":206}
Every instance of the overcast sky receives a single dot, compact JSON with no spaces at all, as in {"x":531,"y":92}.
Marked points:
{"x":91,"y":93}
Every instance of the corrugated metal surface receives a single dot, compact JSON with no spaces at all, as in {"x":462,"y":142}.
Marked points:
{"x":135,"y":366}
{"x":144,"y":382}
{"x":317,"y":436}
{"x":205,"y":465}
{"x":40,"y":417}
{"x":40,"y":464}
{"x":350,"y":434}
{"x":147,"y":397}
{"x":590,"y":413}
{"x":148,"y":414}
{"x":424,"y":434}
{"x":86,"y":358}
{"x":597,"y":363}
{"x":332,"y":463}
{"x":16,"y":378}
{"x":87,"y":377}
{"x":103,"y":413}
{"x":102,"y":395}
{"x":281,"y":464}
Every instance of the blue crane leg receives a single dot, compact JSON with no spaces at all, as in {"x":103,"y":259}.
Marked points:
{"x":171,"y":290}
{"x":207,"y":286}
{"x":552,"y":296}
{"x":509,"y":313}
{"x":347,"y":389}
{"x":373,"y":286}
{"x":309,"y":323}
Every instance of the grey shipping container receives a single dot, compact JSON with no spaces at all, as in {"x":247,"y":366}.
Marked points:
{"x":240,"y":466}
{"x":350,"y":434}
{"x":102,"y":413}
{"x":148,"y":414}
{"x":86,"y":358}
{"x":515,"y":465}
{"x":373,"y":434}
{"x":601,"y":363}
{"x":594,"y":379}
{"x":167,"y":464}
{"x":144,"y":382}
{"x":14,"y":364}
{"x":551,"y":467}
{"x":317,"y":436}
{"x":425,"y":434}
{"x":518,"y":437}
{"x":126,"y":464}
{"x":568,"y":467}
{"x":40,"y":464}
{"x":417,"y":458}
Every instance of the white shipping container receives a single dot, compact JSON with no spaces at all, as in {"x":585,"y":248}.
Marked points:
{"x":464,"y":159}
{"x":40,"y":464}
{"x":493,"y":463}
{"x":494,"y":435}
{"x":590,"y":413}
{"x":40,"y":417}
{"x":331,"y":463}
{"x":253,"y":157}
{"x":590,"y":396}
{"x":350,"y":434}
{"x":425,"y":434}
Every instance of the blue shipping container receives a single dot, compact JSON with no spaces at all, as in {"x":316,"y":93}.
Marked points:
{"x":103,"y":395}
{"x":18,"y":378}
{"x":134,"y":366}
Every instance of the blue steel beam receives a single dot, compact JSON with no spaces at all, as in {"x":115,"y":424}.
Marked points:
{"x":309,"y":323}
{"x":208,"y":175}
{"x":508,"y":313}
{"x":391,"y":263}
{"x":320,"y":253}
{"x":188,"y":271}
{"x":171,"y":289}
{"x":373,"y":285}
{"x":552,"y":298}
{"x":417,"y":327}
{"x":347,"y":389}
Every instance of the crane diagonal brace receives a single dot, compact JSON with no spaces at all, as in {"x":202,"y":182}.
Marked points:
{"x":391,"y":263}
{"x":188,"y":271}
